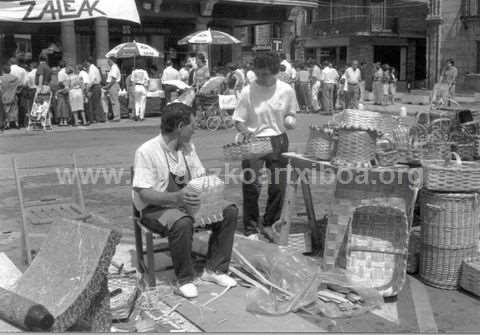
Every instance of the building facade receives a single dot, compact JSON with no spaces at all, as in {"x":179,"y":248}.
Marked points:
{"x":259,"y":24}
{"x":388,"y":31}
{"x":454,"y":32}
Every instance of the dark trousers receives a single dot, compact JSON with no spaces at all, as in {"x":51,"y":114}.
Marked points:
{"x":95,"y":109}
{"x":251,"y":187}
{"x":2,"y":116}
{"x":220,"y":245}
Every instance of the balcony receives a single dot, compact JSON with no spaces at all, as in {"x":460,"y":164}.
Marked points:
{"x":366,"y":25}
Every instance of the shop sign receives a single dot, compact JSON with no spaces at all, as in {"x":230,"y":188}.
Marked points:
{"x":67,"y":10}
{"x":277,"y":45}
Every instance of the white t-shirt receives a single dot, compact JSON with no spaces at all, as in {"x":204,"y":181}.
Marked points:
{"x":170,"y":73}
{"x":85,"y":77}
{"x":95,"y":78}
{"x":353,"y":76}
{"x":251,"y":76}
{"x":263,"y":109}
{"x":151,"y":168}
{"x":62,"y":75}
{"x":288,"y":67}
{"x":114,"y":74}
{"x":19,"y":72}
{"x":140,"y":77}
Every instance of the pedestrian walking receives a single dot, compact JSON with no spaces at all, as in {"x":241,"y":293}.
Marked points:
{"x":140,"y":81}
{"x":342,"y":90}
{"x":43,"y":76}
{"x":261,"y":112}
{"x":330,"y":78}
{"x":251,"y":77}
{"x":449,"y":77}
{"x":10,"y":85}
{"x":386,"y":83}
{"x":363,"y":71}
{"x":317,"y":86}
{"x":75,"y":95}
{"x":17,"y":69}
{"x":185,"y":72}
{"x":62,"y":110}
{"x":393,"y":85}
{"x":377,"y":84}
{"x":113,"y":88}
{"x":201,"y":74}
{"x":169,"y":73}
{"x":95,"y":109}
{"x":353,"y":76}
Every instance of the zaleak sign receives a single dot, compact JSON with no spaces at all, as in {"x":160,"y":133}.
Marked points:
{"x":35,"y":11}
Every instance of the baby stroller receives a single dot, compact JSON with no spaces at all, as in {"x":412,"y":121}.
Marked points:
{"x":210,"y":115}
{"x":39,"y":117}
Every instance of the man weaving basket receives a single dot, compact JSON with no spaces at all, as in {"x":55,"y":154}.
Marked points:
{"x":163,"y":167}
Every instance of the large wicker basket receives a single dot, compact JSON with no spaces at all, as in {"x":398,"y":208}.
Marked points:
{"x":451,"y":176}
{"x":360,"y":119}
{"x":470,"y":276}
{"x":320,"y":143}
{"x":378,"y":248}
{"x":247,"y":149}
{"x":355,"y":147}
{"x":441,"y":267}
{"x":449,"y":220}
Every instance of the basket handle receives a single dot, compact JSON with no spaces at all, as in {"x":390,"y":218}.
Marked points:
{"x":458,"y":159}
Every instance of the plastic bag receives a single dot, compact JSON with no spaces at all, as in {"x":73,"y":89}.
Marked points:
{"x":300,"y":276}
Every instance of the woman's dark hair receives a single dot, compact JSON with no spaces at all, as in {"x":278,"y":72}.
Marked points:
{"x":267,"y":61}
{"x":173,"y":114}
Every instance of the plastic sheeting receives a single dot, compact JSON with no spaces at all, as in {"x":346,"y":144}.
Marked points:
{"x":302,"y":277}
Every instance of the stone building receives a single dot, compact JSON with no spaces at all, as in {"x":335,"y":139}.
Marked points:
{"x":257,"y":23}
{"x":454,"y":32}
{"x":388,"y":31}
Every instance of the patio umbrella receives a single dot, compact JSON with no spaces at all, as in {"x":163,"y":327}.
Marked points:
{"x":209,"y":37}
{"x":133,"y":49}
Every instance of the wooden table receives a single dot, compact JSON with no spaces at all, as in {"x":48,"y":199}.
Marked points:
{"x":396,"y":186}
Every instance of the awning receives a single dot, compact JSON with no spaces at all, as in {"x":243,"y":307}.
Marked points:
{"x":290,"y":3}
{"x":67,"y":10}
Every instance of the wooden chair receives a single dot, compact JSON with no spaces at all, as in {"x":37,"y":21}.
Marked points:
{"x":145,"y":256}
{"x":46,"y":209}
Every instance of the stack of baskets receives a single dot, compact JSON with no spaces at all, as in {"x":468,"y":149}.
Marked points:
{"x":358,"y":131}
{"x":449,"y":207}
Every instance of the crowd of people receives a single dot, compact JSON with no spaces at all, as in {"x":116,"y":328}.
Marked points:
{"x":81,"y":94}
{"x":70,"y":94}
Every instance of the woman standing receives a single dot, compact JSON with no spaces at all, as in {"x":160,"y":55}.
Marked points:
{"x":140,"y":80}
{"x":393,"y":85}
{"x":266,"y":108}
{"x":75,"y":95}
{"x":377,"y":84}
{"x":9,"y":86}
{"x":386,"y":83}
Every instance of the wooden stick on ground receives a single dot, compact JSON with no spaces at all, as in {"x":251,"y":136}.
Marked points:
{"x":246,"y":278}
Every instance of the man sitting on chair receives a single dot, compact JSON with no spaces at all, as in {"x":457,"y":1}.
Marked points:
{"x":163,"y":167}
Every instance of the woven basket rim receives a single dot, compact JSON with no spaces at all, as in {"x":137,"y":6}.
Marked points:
{"x":376,"y":132}
{"x":440,"y":165}
{"x":450,"y":195}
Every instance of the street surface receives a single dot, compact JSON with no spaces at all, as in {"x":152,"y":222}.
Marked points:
{"x":105,"y":154}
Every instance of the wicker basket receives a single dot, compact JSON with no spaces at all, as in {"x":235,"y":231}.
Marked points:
{"x":466,"y":151}
{"x":441,"y":267}
{"x":355,"y":147}
{"x":299,"y":243}
{"x":425,"y":151}
{"x":456,"y":176}
{"x":449,"y":220}
{"x":470,"y":276}
{"x":320,"y":143}
{"x":378,"y":248}
{"x":247,"y":149}
{"x":360,"y":119}
{"x":414,"y":247}
{"x":476,"y":147}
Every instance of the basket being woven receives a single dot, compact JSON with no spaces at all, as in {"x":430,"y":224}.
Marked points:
{"x":470,"y":276}
{"x":247,"y":149}
{"x":378,"y":248}
{"x":449,"y":220}
{"x":320,"y":143}
{"x":441,"y":267}
{"x":456,"y":176}
{"x":355,"y":147}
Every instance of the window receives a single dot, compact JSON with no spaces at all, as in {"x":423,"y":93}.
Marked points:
{"x":471,"y":8}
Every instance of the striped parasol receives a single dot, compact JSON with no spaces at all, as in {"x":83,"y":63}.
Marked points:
{"x":209,"y":37}
{"x":133,"y":49}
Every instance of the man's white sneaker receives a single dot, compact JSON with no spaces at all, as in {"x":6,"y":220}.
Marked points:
{"x":188,"y":291}
{"x":254,"y":237}
{"x":221,"y":279}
